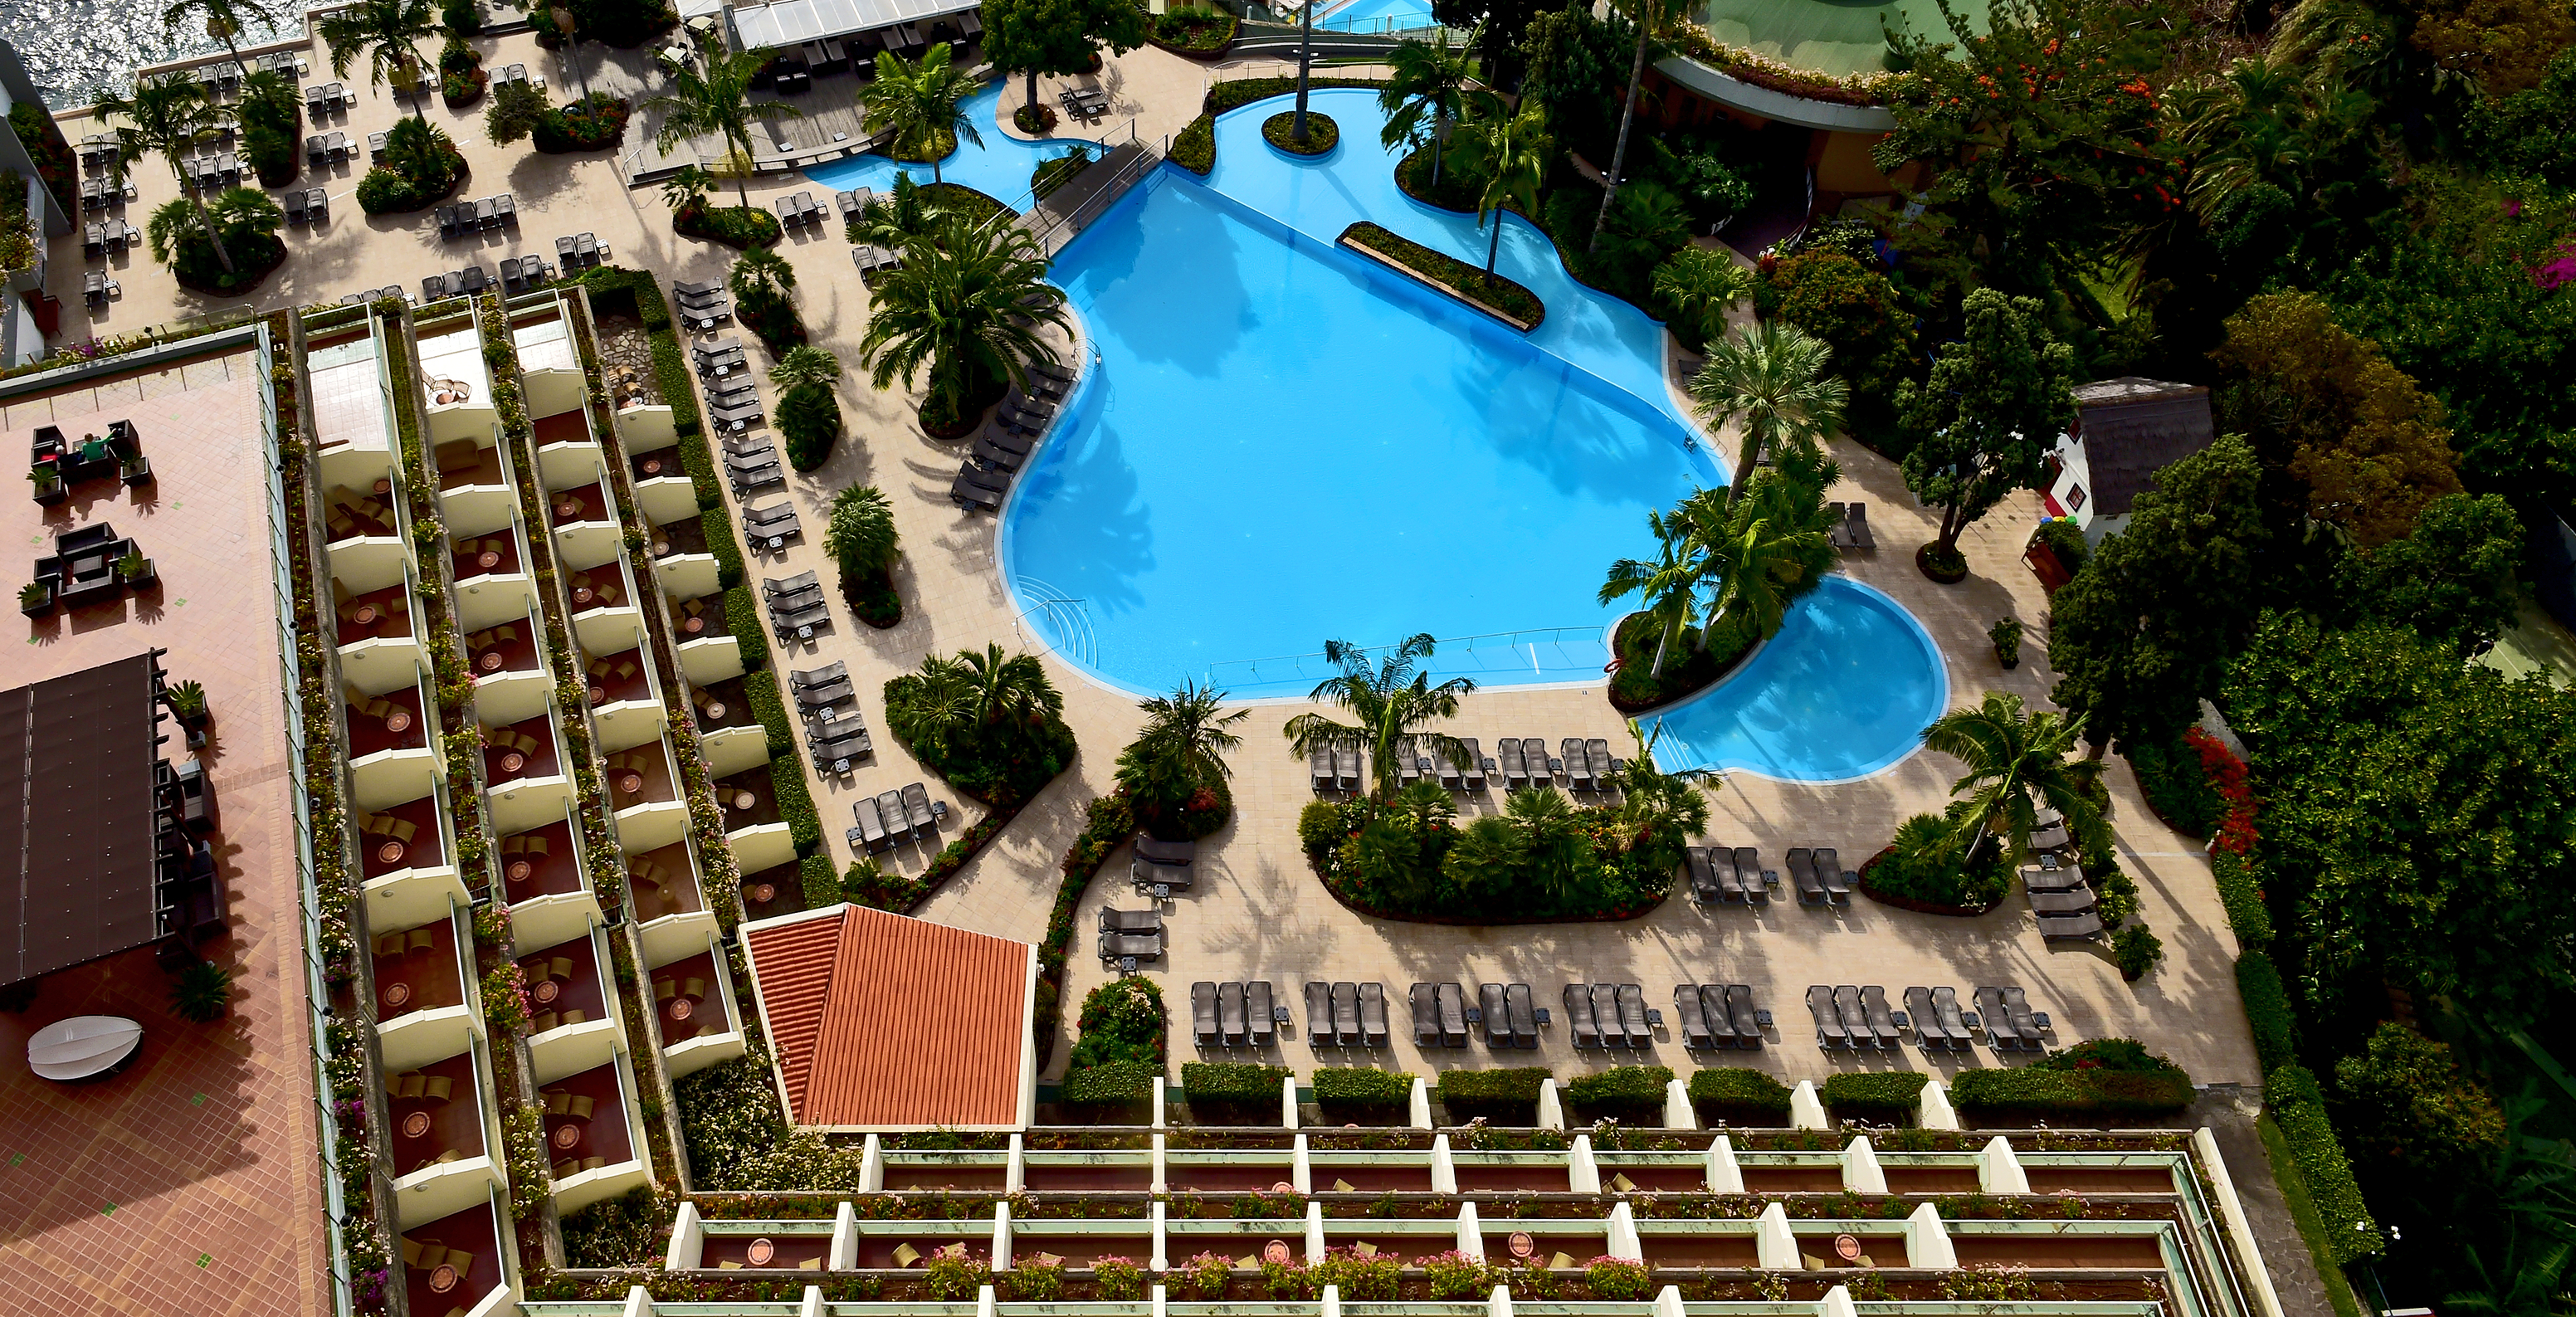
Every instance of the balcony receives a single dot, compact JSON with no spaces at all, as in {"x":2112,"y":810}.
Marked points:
{"x":625,"y":700}
{"x":417,"y":970}
{"x":509,"y":664}
{"x":523,"y":774}
{"x":605,"y":612}
{"x":378,"y":646}
{"x":443,"y":1142}
{"x":475,"y":494}
{"x":454,"y":1263}
{"x":706,"y":648}
{"x":644,"y":794}
{"x":492,"y":581}
{"x":592,"y":1135}
{"x":729,"y":737}
{"x":549,"y":890}
{"x":385,"y":724}
{"x":349,"y":515}
{"x":778,"y":890}
{"x":573,"y":1024}
{"x":566,"y":452}
{"x":404,"y":860}
{"x":754,"y":829}
{"x":550,"y":367}
{"x":694,"y":1012}
{"x":665,"y":883}
{"x":663,"y":490}
{"x":456,"y":385}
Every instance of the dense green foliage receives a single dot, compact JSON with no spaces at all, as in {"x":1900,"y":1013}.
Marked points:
{"x":1738,"y":1093}
{"x":1061,"y":37}
{"x":245,"y":221}
{"x":1927,"y":861}
{"x":1876,"y":1094}
{"x":2298,"y":1108}
{"x":968,"y":308}
{"x":2267,"y":1009}
{"x":1633,"y":1094}
{"x":1174,"y":773}
{"x":1348,"y":1090}
{"x":2062,"y":1087}
{"x":418,"y":168}
{"x":1322,"y":133}
{"x":1983,"y":423}
{"x":2170,"y":775}
{"x":1218,"y":1081}
{"x":1493,"y":290}
{"x":1122,"y":1024}
{"x":1507,"y":1096}
{"x":991,"y":724}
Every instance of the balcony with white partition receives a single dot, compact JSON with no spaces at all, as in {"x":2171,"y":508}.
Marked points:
{"x":394,"y":742}
{"x":730,"y":738}
{"x":702,"y":637}
{"x":363,"y":521}
{"x":582,"y":513}
{"x":755,"y":831}
{"x":602,"y":601}
{"x":458,"y":1263}
{"x":407,"y":859}
{"x":645,"y":794}
{"x":681,"y":560}
{"x":547,"y":878}
{"x":696,"y":1020}
{"x":526,"y":775}
{"x":663,"y":490}
{"x":446,"y":1148}
{"x":671,"y":909}
{"x":512,"y":675}
{"x":493,"y":580}
{"x":477,"y":489}
{"x":550,"y":372}
{"x":428,"y":1004}
{"x":625,"y":693}
{"x":594,"y":1132}
{"x":352,"y":417}
{"x":455,"y":385}
{"x":573,"y":1023}
{"x":372,"y":584}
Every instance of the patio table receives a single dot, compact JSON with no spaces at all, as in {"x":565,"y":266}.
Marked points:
{"x":82,"y":1046}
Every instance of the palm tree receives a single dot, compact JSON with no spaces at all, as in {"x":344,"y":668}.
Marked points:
{"x":1553,"y":843}
{"x":1755,"y":553}
{"x":1511,"y":152}
{"x":1659,"y":811}
{"x":2015,"y":758}
{"x":805,"y":364}
{"x":761,"y":277}
{"x":921,"y":102}
{"x":1776,"y":381}
{"x":237,"y":213}
{"x":1701,"y":286}
{"x":1669,"y":584}
{"x":928,"y":707}
{"x":1386,"y":706}
{"x":897,"y":216}
{"x":717,"y":103}
{"x":1182,"y":745}
{"x":383,"y":31}
{"x":1428,"y":80}
{"x":1305,"y":60}
{"x":862,"y":535}
{"x":1009,"y":688}
{"x":168,"y":117}
{"x":1650,"y":15}
{"x":968,"y":302}
{"x":223,"y":20}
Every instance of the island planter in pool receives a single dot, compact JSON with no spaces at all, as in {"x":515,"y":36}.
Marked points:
{"x":1323,"y":136}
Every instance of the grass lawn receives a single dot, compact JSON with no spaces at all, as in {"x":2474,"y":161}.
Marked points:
{"x":2294,"y":1191}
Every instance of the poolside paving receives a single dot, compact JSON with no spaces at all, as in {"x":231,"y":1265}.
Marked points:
{"x":190,"y":1181}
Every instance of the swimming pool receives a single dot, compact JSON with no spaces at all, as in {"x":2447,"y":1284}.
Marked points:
{"x":1283,"y":443}
{"x":1375,"y":16}
{"x":999,"y":168}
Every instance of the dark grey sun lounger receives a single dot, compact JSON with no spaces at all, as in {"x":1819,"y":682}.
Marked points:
{"x":1687,"y":1016}
{"x":1320,"y":767}
{"x":2074,"y":901}
{"x":1633,"y":1018}
{"x":1829,"y":871}
{"x":1929,"y":1033}
{"x":1261,"y":1028}
{"x":1508,"y":752}
{"x":1705,"y":886}
{"x":1373,"y":1014}
{"x":1166,"y":852}
{"x":1524,"y":1010}
{"x":1426,"y":1016}
{"x":1203,"y":1012}
{"x":1478,"y":764}
{"x":1882,"y":1018}
{"x":1131,"y":921}
{"x":1143,"y":946}
{"x":1802,"y":871}
{"x":1954,"y":1021}
{"x":1714,"y":1016}
{"x":2000,"y":1033}
{"x":1346,"y":1013}
{"x":968,"y":492}
{"x":1744,"y":1015}
{"x":1830,"y":1033}
{"x":1229,"y":1013}
{"x":1453,"y":1014}
{"x":1349,"y":767}
{"x":1319,"y":1012}
{"x":2026,"y":1021}
{"x":1605,"y":1012}
{"x":1603,"y":766}
{"x":1578,"y":763}
{"x":1498,"y":1017}
{"x":1541,"y":771}
{"x":1749,"y":873}
{"x":1578,"y":1015}
{"x":2080,"y":927}
{"x":1855,"y":1018}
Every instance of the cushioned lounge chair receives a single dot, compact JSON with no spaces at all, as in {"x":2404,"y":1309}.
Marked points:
{"x":1633,"y":1018}
{"x":1705,"y":887}
{"x":1855,"y":1018}
{"x":1260,"y":1026}
{"x":1348,"y":767}
{"x":1882,"y":1018}
{"x":1508,"y":753}
{"x":1830,"y":1033}
{"x":1605,"y":1012}
{"x":1714,"y":1016}
{"x":1453,"y":1015}
{"x":1346,"y":1014}
{"x":1522,"y":1003}
{"x":1578,"y":763}
{"x":1426,"y":1016}
{"x":1373,"y":1031}
{"x":1203,"y":1013}
{"x":1746,"y":1018}
{"x":1579,"y":1017}
{"x":1131,"y":921}
{"x":1829,"y":872}
{"x":1319,"y":1012}
{"x":1688,"y":1019}
{"x":2074,"y":901}
{"x":1802,"y":871}
{"x":1749,"y":872}
{"x":1229,"y":1013}
{"x":2084,"y":927}
{"x":1498,"y":1016}
{"x":1542,"y":772}
{"x":1954,"y":1021}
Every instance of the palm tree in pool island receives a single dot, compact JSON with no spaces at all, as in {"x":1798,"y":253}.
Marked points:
{"x":222,"y":19}
{"x":1777,"y":381}
{"x":1386,"y":704}
{"x":383,"y":31}
{"x":921,"y":103}
{"x":968,"y":303}
{"x":1429,"y":81}
{"x":1511,"y":152}
{"x":1182,"y":747}
{"x":168,"y":118}
{"x":718,"y":103}
{"x":1669,"y":584}
{"x":2017,"y":760}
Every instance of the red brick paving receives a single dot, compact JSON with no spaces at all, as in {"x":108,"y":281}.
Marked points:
{"x":204,"y":1146}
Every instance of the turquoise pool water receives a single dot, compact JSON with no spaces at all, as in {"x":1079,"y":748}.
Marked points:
{"x":1375,"y":16}
{"x":1283,"y":443}
{"x":999,"y":168}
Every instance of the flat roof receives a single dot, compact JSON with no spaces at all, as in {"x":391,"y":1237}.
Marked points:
{"x":791,"y":22}
{"x":76,"y":757}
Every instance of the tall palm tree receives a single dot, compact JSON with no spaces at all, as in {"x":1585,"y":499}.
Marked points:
{"x":1659,"y":810}
{"x":1511,"y":152}
{"x":920,"y":102}
{"x":968,"y":303}
{"x":1777,"y":381}
{"x":1650,"y":15}
{"x":2016,"y":760}
{"x":1553,"y":842}
{"x":761,"y":277}
{"x":1386,"y":705}
{"x":1669,"y":584}
{"x":862,"y":535}
{"x":897,"y":216}
{"x":169,"y":118}
{"x":1428,"y":80}
{"x":717,"y":103}
{"x":1008,"y":688}
{"x":1182,"y":745}
{"x":1755,"y":553}
{"x":1305,"y":60}
{"x":222,"y":19}
{"x":805,"y":364}
{"x":383,"y":31}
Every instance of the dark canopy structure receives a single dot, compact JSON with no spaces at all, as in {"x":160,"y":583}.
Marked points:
{"x":81,"y":822}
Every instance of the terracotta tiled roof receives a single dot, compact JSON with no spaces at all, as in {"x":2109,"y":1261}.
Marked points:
{"x":882,"y":1020}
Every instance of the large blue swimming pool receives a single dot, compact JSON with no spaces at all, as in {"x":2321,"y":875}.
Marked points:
{"x":1282,"y":443}
{"x":1000,"y":168}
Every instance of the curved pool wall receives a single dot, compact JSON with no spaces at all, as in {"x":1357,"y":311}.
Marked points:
{"x":1843,"y":691}
{"x":999,"y":168}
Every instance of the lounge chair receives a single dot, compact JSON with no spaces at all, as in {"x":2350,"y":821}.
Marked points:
{"x":1166,"y":852}
{"x":2051,"y":875}
{"x":996,"y":459}
{"x":1829,"y":873}
{"x":1143,"y":946}
{"x":1705,"y":887}
{"x":1605,"y":1012}
{"x":1733,"y":883}
{"x":1426,"y":1015}
{"x":1005,"y":440}
{"x":1498,"y":1017}
{"x":1579,"y":1017}
{"x":924,"y":811}
{"x":1408,"y":761}
{"x":1260,"y":1029}
{"x":1346,"y":1014}
{"x":1578,"y":764}
{"x":1131,"y":921}
{"x":1348,"y":767}
{"x":1520,"y":1000}
{"x":1746,"y":1018}
{"x":1882,"y":1018}
{"x":1954,"y":1021}
{"x":1854,"y":1016}
{"x":1319,"y":1012}
{"x":970,"y":473}
{"x":1472,"y":775}
{"x":1604,"y":768}
{"x":1928,"y":1033}
{"x":1856,"y":525}
{"x":1229,"y":1013}
{"x":967,"y":493}
{"x":1320,"y":767}
{"x":1835,"y":534}
{"x":1373,"y":1014}
{"x":1453,"y":1014}
{"x":1633,"y":1017}
{"x":1691,"y":1022}
{"x":1203,"y":1012}
{"x":1542,"y":770}
{"x":1508,"y":751}
{"x":1713,"y":1014}
{"x":871,"y":829}
{"x":1755,"y":879}
{"x":1830,"y":1033}
{"x":2025,"y":1021}
{"x":890,"y":808}
{"x":2073,"y":901}
{"x":1802,"y":871}
{"x":1992,"y":1013}
{"x":2083,"y":927}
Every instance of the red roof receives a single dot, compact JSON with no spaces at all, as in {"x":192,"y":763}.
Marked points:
{"x":878,"y":1019}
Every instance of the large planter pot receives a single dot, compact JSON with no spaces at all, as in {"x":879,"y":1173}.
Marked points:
{"x":38,"y":606}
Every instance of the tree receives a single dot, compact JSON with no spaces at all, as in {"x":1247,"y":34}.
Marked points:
{"x":168,"y":117}
{"x":1182,"y":746}
{"x":809,"y":413}
{"x":2146,"y":629}
{"x":761,"y":279}
{"x":1695,"y":288}
{"x":1647,"y":223}
{"x":238,"y":214}
{"x":896,"y":216}
{"x":1428,"y":81}
{"x":1509,"y":151}
{"x":2406,"y":1094}
{"x":383,"y":31}
{"x":2532,"y":131}
{"x":518,"y":107}
{"x":1500,"y":24}
{"x":1649,"y":16}
{"x":2366,"y":443}
{"x":1994,"y":408}
{"x":805,"y":365}
{"x":932,"y":708}
{"x":1772,"y":382}
{"x":2016,"y":760}
{"x":2504,"y":46}
{"x":1009,"y":690}
{"x":1058,"y":37}
{"x":1386,"y":705}
{"x":924,"y":104}
{"x":718,"y":103}
{"x":1660,"y":812}
{"x":969,"y":303}
{"x":223,"y":20}
{"x":2452,"y":581}
{"x":862,"y":536}
{"x":1668,"y":585}
{"x":1305,"y":61}
{"x":1555,"y":850}
{"x":1761,"y":551}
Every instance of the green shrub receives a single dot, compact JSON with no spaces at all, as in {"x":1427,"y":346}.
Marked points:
{"x":1114,"y":1084}
{"x":272,"y":121}
{"x":1322,"y":134}
{"x":1344,"y":1086}
{"x":1055,"y":173}
{"x":1194,"y":30}
{"x":1119,"y":1280}
{"x":1732,"y":1092}
{"x":1122,"y":1022}
{"x":734,"y":226}
{"x":796,"y":805}
{"x":460,"y":73}
{"x":810,"y":416}
{"x":1506,"y":1096}
{"x":631,"y":1230}
{"x":1224,"y":96}
{"x":1889,"y":1091}
{"x":52,"y":153}
{"x":1211,"y":1081}
{"x":1001,"y":756}
{"x":1194,"y":147}
{"x":1619,"y":1280}
{"x":2267,"y":1009}
{"x":821,"y":886}
{"x":2065,"y":539}
{"x":2135,"y":951}
{"x":866,"y":883}
{"x":1495,"y":291}
{"x":2299,"y":1110}
{"x":2109,"y":1077}
{"x":1637,"y":1088}
{"x":596,"y":122}
{"x":1319,"y":827}
{"x":743,"y":623}
{"x":1925,"y":862}
{"x":760,"y":691}
{"x":418,"y":168}
{"x":2173,"y":781}
{"x":202,"y":992}
{"x":2237,"y":890}
{"x":717,"y":525}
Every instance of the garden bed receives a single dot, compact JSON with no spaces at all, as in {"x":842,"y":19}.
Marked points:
{"x":1202,"y":34}
{"x":1689,"y":666}
{"x":254,"y":256}
{"x":1457,"y":192}
{"x":1502,"y":298}
{"x":734,"y":226}
{"x":1322,"y":134}
{"x":1917,"y":905}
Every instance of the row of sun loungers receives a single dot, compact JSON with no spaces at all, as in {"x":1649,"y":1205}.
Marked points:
{"x":1851,"y":526}
{"x":835,"y":733}
{"x":701,"y":304}
{"x":771,"y":527}
{"x":1586,"y":765}
{"x":97,"y":193}
{"x":1233,"y":1014}
{"x":871,"y":258}
{"x":328,"y":97}
{"x":581,"y":251}
{"x":853,"y":201}
{"x":796,"y":606}
{"x":1162,"y":867}
{"x":1610,"y":1015}
{"x":1820,"y":877}
{"x":1346,"y":1014}
{"x":1719,"y":1015}
{"x":1721,"y":875}
{"x":328,"y":148}
{"x":1136,"y":934}
{"x":888,"y":820}
{"x":733,"y":398}
{"x":307,"y":205}
{"x":100,"y":237}
{"x":1858,"y":1018}
{"x":478,"y":216}
{"x":2058,"y":893}
{"x":799,"y":209}
{"x":985,"y":476}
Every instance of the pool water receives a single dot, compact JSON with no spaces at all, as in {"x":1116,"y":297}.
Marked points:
{"x":999,"y":168}
{"x":1375,"y":16}
{"x":1283,"y":443}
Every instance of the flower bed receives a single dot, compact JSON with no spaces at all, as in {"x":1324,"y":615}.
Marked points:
{"x":1322,"y":134}
{"x":1195,"y":33}
{"x":1763,"y":71}
{"x":1494,"y":295}
{"x":1194,"y":147}
{"x":596,"y":122}
{"x":734,"y":226}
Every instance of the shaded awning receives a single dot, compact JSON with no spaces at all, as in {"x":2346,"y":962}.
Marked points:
{"x":792,"y":22}
{"x":79,"y":817}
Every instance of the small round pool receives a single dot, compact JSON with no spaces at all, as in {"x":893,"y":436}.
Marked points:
{"x":999,"y":168}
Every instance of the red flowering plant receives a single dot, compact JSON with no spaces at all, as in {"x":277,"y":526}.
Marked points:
{"x":2227,"y":776}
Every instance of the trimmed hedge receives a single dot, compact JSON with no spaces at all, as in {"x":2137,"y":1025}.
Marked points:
{"x":1358,"y":1087}
{"x":735,"y":226}
{"x":2243,"y":897}
{"x":1225,"y":96}
{"x":1455,"y":276}
{"x":2299,"y":1110}
{"x":1898,"y":1091}
{"x":1114,"y":1084}
{"x":743,"y":623}
{"x":1217,"y":1081}
{"x":814,"y":876}
{"x":1632,"y":1086}
{"x":2033,"y":1091}
{"x":1194,"y":147}
{"x":1735,"y":1091}
{"x":2267,"y":1009}
{"x":718,"y":528}
{"x":760,"y":691}
{"x":1493,"y":1094}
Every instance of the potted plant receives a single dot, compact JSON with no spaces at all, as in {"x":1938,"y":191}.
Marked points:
{"x":136,"y":570}
{"x":36,"y":598}
{"x":49,"y":483}
{"x":187,"y":699}
{"x":136,"y":471}
{"x":2007,"y":637}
